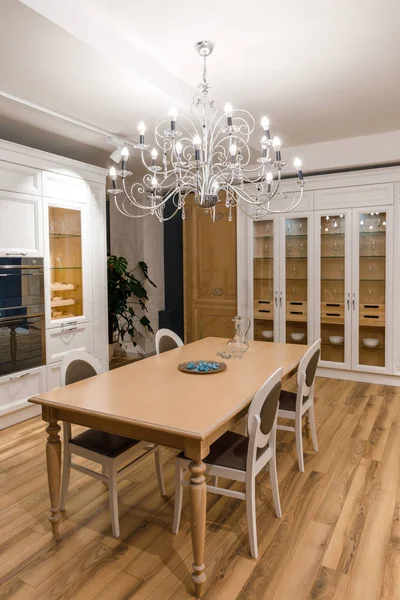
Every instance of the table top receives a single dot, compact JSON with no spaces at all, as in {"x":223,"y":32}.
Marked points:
{"x":155,"y":394}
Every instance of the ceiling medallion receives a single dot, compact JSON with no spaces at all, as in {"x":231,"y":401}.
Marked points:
{"x":205,"y":155}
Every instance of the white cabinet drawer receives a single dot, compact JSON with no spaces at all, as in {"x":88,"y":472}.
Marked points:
{"x":21,"y":231}
{"x":53,"y":376}
{"x":16,"y":389}
{"x":64,"y":187}
{"x":64,"y":339}
{"x":19,"y":178}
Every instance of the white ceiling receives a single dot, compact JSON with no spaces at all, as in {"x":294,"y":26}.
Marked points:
{"x":319,"y":69}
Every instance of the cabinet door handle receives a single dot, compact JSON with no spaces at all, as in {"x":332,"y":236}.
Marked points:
{"x":18,"y":376}
{"x":280,"y":299}
{"x":354,"y":301}
{"x":16,"y":253}
{"x":67,"y":329}
{"x":276,"y":298}
{"x":348,"y":301}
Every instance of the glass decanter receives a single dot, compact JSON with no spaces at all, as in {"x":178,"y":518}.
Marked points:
{"x":238,"y":345}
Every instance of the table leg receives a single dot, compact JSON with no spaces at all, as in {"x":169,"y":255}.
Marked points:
{"x":53,"y":455}
{"x":197,"y":499}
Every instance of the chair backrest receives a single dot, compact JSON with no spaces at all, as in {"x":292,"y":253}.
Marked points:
{"x":78,"y":365}
{"x":262,"y":415}
{"x":167,"y":340}
{"x":306,"y":372}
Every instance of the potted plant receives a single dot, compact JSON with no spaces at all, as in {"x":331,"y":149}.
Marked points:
{"x":123,"y":287}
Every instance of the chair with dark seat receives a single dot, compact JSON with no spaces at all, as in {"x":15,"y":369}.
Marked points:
{"x":109,"y":450}
{"x":294,"y":405}
{"x":234,"y":456}
{"x":167,"y":340}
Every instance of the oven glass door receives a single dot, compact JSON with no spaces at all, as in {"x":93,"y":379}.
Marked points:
{"x":21,"y":283}
{"x":22,"y":343}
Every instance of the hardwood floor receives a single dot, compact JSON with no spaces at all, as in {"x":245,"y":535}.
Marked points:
{"x":338,"y":538}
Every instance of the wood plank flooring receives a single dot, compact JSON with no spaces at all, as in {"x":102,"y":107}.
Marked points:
{"x":339,"y":537}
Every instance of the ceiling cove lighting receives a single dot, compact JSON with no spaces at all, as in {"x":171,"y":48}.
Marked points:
{"x":204,"y":155}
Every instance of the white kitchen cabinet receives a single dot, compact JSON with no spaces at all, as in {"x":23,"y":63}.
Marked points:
{"x":55,"y":208}
{"x":21,"y":229}
{"x":15,"y":390}
{"x":71,"y":336}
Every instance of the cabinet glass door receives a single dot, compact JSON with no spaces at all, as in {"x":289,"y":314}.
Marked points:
{"x":65,"y":249}
{"x":296,"y":280}
{"x":372,"y":289}
{"x":263,"y":275}
{"x":333,"y":305}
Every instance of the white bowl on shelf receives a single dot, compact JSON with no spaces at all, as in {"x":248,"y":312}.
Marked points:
{"x":336,"y":340}
{"x":297,"y":337}
{"x":370,"y":342}
{"x":267,"y":334}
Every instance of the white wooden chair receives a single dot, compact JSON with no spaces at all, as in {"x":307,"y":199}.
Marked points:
{"x":109,"y":450}
{"x":294,"y":405}
{"x":234,"y":456}
{"x":167,"y":340}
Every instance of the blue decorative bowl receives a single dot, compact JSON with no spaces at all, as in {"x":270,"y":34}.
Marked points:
{"x":202,"y":367}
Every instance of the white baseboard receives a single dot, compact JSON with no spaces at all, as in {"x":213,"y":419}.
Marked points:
{"x":23,"y":412}
{"x":360,"y":376}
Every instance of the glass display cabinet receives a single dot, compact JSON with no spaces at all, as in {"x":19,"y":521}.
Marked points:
{"x":280,"y":247}
{"x":372,"y":253}
{"x":68,"y":244}
{"x":263,"y":280}
{"x":296,"y":280}
{"x":352,"y":295}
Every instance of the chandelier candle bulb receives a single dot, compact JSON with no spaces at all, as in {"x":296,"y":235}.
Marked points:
{"x":269,"y":181}
{"x":276,"y":142}
{"x":178,"y":148}
{"x":154,"y":155}
{"x":142,"y":131}
{"x":124,"y":157}
{"x":264,"y":146}
{"x":233,"y":152}
{"x":197,"y":146}
{"x":228,"y":113}
{"x":173,"y":113}
{"x":113,"y":175}
{"x":265,"y":126}
{"x":297,"y":166}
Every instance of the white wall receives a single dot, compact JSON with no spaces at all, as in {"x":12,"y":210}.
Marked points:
{"x":376,"y":149}
{"x":141,"y":239}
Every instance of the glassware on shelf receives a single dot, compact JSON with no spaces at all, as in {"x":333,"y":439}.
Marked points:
{"x":293,"y":293}
{"x":289,"y":249}
{"x":334,"y":248}
{"x":373,"y":247}
{"x":300,"y":227}
{"x":289,"y":226}
{"x":301,"y":249}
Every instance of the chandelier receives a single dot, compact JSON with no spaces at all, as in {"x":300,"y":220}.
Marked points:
{"x":204,"y":156}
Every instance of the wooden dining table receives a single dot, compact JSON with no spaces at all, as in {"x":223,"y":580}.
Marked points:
{"x":151,"y":400}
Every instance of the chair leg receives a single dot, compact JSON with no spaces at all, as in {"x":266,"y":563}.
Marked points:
{"x":274,"y":485}
{"x":178,"y":497}
{"x":251,"y":515}
{"x":66,"y":471}
{"x":299,"y":440}
{"x":105,"y":472}
{"x":159,"y":471}
{"x":313,"y":429}
{"x":113,"y":497}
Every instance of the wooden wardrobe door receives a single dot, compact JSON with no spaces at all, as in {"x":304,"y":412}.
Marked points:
{"x":210,"y":286}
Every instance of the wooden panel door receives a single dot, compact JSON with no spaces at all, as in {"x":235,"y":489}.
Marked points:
{"x":210,"y":282}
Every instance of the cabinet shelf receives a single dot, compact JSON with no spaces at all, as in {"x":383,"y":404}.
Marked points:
{"x":295,"y":235}
{"x":64,"y":268}
{"x":262,"y":237}
{"x":296,"y":257}
{"x":336,"y":234}
{"x":64,"y":235}
{"x":263,"y":278}
{"x":263,"y":257}
{"x":372,"y":232}
{"x":373,"y":256}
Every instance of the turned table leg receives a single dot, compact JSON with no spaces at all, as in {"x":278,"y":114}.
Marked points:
{"x":53,"y":455}
{"x":197,"y":499}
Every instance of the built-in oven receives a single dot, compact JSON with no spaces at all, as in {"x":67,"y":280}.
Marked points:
{"x":22,"y":324}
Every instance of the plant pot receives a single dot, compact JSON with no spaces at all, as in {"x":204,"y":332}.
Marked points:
{"x":111,"y":350}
